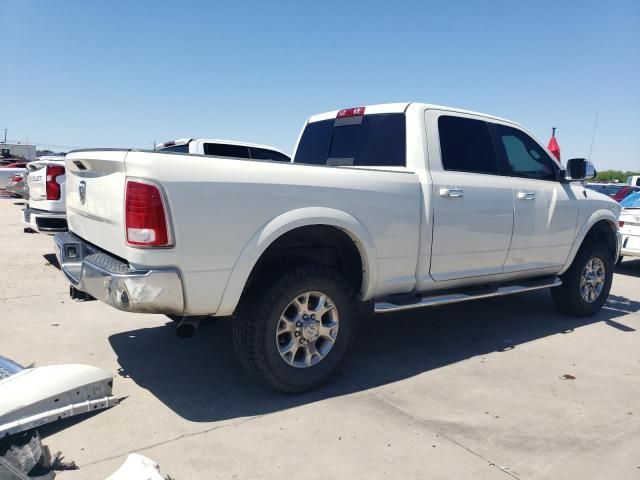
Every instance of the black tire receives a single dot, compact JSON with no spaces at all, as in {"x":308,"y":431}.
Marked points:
{"x":568,"y":297}
{"x":259,"y":314}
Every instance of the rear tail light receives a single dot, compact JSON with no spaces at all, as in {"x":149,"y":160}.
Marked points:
{"x":53,"y":187}
{"x":621,"y":223}
{"x":16,"y":178}
{"x":351,"y":112}
{"x":145,"y":215}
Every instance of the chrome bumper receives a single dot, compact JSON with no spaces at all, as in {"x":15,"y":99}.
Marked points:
{"x":44,"y":221}
{"x":114,"y":282}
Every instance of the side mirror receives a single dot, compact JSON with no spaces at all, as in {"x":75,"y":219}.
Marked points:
{"x":579,"y":169}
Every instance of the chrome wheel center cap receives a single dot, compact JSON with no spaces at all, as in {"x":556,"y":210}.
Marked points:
{"x":311,"y":330}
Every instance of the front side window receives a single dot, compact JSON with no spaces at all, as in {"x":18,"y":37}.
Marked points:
{"x":465,"y":145}
{"x":226,"y":150}
{"x":524,"y":157}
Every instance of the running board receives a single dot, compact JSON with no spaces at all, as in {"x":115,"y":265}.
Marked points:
{"x":408,"y":302}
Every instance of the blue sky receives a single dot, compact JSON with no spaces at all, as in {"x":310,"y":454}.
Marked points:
{"x":86,"y":74}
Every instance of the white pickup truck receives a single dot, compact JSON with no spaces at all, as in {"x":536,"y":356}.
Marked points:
{"x":396,"y":206}
{"x":46,"y":211}
{"x":223,"y":148}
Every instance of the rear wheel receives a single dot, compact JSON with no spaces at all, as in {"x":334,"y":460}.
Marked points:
{"x":292,"y":333}
{"x":586,"y":284}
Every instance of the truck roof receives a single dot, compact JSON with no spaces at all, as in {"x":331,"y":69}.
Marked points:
{"x":402,"y":107}
{"x":184,"y":141}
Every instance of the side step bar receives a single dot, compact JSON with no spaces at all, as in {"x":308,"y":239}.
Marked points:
{"x":408,"y":302}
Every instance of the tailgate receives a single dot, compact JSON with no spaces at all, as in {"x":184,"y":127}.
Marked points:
{"x":36,"y":181}
{"x":95,"y":197}
{"x":37,"y":185}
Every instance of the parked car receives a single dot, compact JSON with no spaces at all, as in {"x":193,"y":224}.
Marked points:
{"x":609,"y":189}
{"x":390,"y":207}
{"x":46,"y":211}
{"x":15,"y":165}
{"x":633,"y":180}
{"x":624,"y":192}
{"x":18,"y":186}
{"x":630,"y":226}
{"x":7,"y":172}
{"x":223,"y":148}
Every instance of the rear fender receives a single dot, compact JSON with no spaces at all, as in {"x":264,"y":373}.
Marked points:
{"x":291,"y":220}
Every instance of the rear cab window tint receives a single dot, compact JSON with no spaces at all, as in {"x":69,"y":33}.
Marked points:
{"x":466,"y":145}
{"x":265,"y":154}
{"x":184,"y":148}
{"x":226,"y":150}
{"x":371,"y":140}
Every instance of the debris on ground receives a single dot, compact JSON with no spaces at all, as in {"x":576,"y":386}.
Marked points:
{"x":34,"y":396}
{"x":138,"y":467}
{"x":23,"y":457}
{"x":567,"y":376}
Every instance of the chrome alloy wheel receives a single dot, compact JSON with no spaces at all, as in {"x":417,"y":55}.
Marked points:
{"x":307,"y":329}
{"x":592,"y":280}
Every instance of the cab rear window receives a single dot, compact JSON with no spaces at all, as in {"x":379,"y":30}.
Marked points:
{"x":377,"y":140}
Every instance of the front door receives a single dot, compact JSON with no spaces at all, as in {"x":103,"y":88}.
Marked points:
{"x":546,"y":211}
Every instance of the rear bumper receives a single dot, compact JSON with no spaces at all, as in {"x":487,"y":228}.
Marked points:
{"x":44,"y":221}
{"x":114,"y":282}
{"x":630,"y":245}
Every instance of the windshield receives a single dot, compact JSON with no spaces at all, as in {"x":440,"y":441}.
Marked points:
{"x":632,"y":201}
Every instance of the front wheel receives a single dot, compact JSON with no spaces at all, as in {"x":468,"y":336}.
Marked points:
{"x":586,"y":284}
{"x":293,"y":333}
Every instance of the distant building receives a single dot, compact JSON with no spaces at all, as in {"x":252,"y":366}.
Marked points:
{"x":24,"y":150}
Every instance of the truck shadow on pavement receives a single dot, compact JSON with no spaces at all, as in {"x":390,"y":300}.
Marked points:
{"x":201,"y":380}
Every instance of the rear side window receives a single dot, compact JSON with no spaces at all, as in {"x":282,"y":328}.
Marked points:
{"x":226,"y":150}
{"x":466,"y":146}
{"x":376,"y":140}
{"x":264,"y":154}
{"x":524,"y":157}
{"x":184,"y":148}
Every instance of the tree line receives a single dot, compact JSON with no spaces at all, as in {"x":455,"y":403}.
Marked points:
{"x":613,"y":175}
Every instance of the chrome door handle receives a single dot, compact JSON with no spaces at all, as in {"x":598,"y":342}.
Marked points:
{"x":526,"y":196}
{"x":451,"y":192}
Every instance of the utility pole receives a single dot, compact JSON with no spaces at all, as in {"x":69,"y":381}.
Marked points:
{"x":5,"y":136}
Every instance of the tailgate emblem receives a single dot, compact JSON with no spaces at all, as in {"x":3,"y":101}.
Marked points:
{"x":82,"y":190}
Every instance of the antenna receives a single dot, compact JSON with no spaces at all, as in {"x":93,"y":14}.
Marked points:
{"x":593,"y":135}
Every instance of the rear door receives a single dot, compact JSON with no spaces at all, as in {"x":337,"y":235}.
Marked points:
{"x":472,"y":202}
{"x":546,"y":211}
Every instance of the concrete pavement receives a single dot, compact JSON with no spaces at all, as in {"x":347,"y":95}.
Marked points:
{"x":469,"y":391}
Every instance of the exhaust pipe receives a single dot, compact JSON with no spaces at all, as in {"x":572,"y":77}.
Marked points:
{"x":188,"y":326}
{"x":79,"y":295}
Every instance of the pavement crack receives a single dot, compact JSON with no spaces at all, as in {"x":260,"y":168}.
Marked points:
{"x":429,"y":426}
{"x":171,"y":440}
